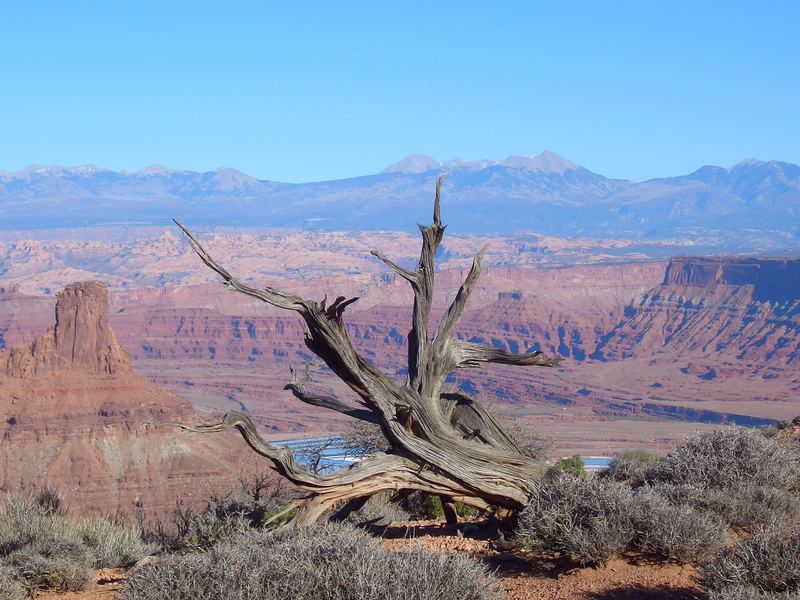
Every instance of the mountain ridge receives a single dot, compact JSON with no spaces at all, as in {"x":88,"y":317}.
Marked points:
{"x":544,"y":193}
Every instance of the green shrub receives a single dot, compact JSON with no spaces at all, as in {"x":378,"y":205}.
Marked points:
{"x":10,"y":586}
{"x":572,"y":465}
{"x":330,"y":562}
{"x":420,"y":505}
{"x":629,"y":465}
{"x":56,"y":564}
{"x":768,"y":562}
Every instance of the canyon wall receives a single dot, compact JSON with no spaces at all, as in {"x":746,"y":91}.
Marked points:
{"x":695,"y":340}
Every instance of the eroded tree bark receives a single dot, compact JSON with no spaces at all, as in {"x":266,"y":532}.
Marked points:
{"x":444,"y":444}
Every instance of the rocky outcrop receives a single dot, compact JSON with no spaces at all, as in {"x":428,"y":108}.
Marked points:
{"x":81,"y":338}
{"x":74,"y":414}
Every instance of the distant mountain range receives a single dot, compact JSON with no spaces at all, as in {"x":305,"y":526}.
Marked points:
{"x":545,"y":193}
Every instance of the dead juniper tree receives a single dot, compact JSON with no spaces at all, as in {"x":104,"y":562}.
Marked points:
{"x":440,"y":443}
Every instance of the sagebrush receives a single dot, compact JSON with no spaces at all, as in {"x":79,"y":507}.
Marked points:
{"x":727,"y":458}
{"x":41,"y":548}
{"x":768,"y":562}
{"x":591,"y":520}
{"x":326,"y":562}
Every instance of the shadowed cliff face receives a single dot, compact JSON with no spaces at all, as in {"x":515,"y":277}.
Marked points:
{"x":773,"y":281}
{"x":736,"y":310}
{"x":82,"y":338}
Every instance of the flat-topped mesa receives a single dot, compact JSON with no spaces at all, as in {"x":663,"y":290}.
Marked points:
{"x":773,"y":280}
{"x":82,"y":338}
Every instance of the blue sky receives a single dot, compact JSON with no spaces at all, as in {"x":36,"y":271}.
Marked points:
{"x":335,"y":89}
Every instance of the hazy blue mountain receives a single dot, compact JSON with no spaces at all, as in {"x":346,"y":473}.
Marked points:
{"x":544,"y":193}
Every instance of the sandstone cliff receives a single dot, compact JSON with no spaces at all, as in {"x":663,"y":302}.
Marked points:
{"x":74,"y":414}
{"x":82,"y":338}
{"x":771,"y":280}
{"x":744,"y":312}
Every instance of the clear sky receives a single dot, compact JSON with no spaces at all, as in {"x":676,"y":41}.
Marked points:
{"x":324,"y":90}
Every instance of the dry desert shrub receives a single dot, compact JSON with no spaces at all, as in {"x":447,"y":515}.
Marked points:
{"x":742,"y":476}
{"x":111,"y":544}
{"x":531,"y":441}
{"x":586,"y":519}
{"x":328,"y":562}
{"x":56,"y":564}
{"x":46,"y":550}
{"x":673,"y":532}
{"x":767,"y":563}
{"x":221,"y":521}
{"x":591,"y":520}
{"x":24,"y":521}
{"x":10,"y":586}
{"x":251,"y":504}
{"x":380,"y":509}
{"x":745,"y":506}
{"x":751,"y":593}
{"x":727,"y":458}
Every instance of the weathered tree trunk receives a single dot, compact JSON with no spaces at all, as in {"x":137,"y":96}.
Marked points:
{"x":443,"y":444}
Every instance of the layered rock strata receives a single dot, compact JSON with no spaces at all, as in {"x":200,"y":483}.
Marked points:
{"x":75,"y":415}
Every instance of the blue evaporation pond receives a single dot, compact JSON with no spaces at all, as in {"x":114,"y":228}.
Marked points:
{"x":592,"y":463}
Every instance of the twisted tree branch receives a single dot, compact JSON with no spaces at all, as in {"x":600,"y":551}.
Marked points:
{"x":269,"y":295}
{"x":298,"y":390}
{"x":445,"y":446}
{"x":404,"y":273}
{"x":469,"y":354}
{"x":456,"y":309}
